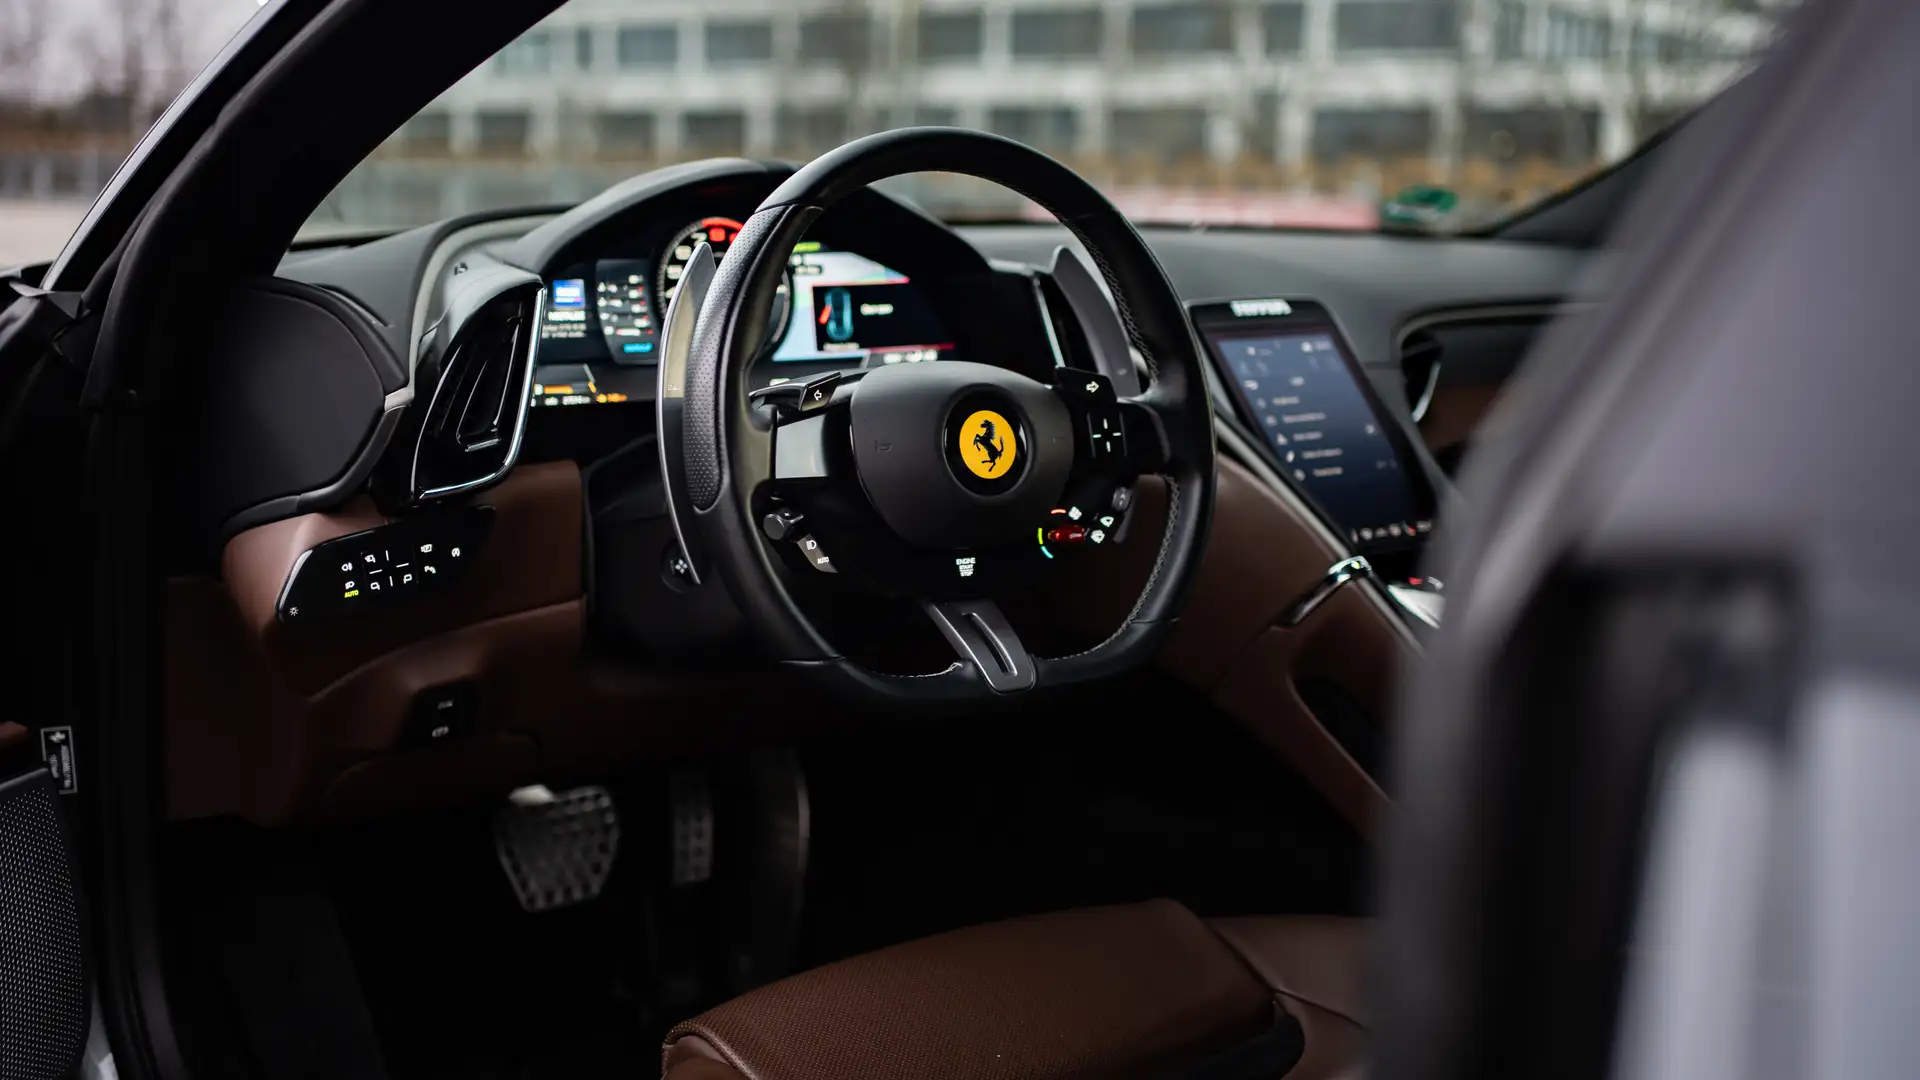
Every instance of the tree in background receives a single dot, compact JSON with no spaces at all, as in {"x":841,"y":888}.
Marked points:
{"x":137,"y":57}
{"x":23,"y":39}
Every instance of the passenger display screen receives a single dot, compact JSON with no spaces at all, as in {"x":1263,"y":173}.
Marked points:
{"x":1299,"y":392}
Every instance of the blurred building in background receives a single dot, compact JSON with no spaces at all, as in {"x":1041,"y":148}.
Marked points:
{"x":1257,"y":111}
{"x":1264,"y":112}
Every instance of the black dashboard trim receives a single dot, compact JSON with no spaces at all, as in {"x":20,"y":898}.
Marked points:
{"x":1543,"y":311}
{"x":239,"y":356}
{"x":391,"y":275}
{"x":332,"y":495}
{"x":557,"y":240}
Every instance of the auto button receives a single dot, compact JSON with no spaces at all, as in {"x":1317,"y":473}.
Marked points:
{"x":816,"y":554}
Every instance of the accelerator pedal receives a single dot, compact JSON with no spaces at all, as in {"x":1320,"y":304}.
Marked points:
{"x":557,"y":848}
{"x":690,"y":796}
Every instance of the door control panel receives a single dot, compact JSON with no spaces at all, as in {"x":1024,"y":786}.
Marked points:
{"x":398,"y":563}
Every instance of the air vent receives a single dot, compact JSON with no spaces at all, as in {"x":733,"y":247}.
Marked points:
{"x":470,"y":435}
{"x":1420,"y":368}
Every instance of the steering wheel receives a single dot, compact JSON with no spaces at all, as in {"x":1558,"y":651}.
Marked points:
{"x":941,"y":482}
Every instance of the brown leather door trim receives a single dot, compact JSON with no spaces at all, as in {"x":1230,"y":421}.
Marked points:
{"x":1264,"y":550}
{"x":262,"y":718}
{"x":531,"y":559}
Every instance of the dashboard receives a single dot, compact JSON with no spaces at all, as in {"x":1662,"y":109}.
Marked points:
{"x":544,"y":627}
{"x":875,"y":283}
{"x":1285,"y":371}
{"x":1306,"y":373}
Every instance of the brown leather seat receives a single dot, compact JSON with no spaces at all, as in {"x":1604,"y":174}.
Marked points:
{"x":1145,"y":990}
{"x":1315,"y":966}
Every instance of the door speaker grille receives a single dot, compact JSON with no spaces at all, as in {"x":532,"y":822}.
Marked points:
{"x":43,"y":974}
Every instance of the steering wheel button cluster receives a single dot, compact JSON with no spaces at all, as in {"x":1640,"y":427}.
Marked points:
{"x":1090,"y":396}
{"x":1105,"y":435}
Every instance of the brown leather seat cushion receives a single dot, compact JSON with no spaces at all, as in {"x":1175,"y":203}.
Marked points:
{"x":691,"y":1067}
{"x":1315,"y":966}
{"x":1137,"y":991}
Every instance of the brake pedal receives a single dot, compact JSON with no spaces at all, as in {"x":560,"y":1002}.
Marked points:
{"x":557,"y":848}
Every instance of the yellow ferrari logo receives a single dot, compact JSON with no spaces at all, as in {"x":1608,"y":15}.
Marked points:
{"x":987,"y":444}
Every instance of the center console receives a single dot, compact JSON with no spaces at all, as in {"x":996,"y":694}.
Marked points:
{"x":1296,"y":387}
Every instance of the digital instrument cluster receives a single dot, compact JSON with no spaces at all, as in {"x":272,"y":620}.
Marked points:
{"x":835,"y":310}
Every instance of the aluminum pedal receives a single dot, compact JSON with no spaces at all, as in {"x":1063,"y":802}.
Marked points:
{"x":691,"y":801}
{"x":557,"y":848}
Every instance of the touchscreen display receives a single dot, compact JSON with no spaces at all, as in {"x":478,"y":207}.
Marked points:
{"x":1299,"y":392}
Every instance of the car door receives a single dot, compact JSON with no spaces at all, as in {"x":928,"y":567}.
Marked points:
{"x":1658,"y":803}
{"x":45,"y":968}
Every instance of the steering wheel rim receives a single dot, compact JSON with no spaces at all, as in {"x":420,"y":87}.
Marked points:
{"x":726,"y":448}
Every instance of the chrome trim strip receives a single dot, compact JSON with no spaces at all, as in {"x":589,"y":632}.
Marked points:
{"x":1419,"y":410}
{"x":520,"y":414}
{"x":1336,"y":577}
{"x":1250,"y":459}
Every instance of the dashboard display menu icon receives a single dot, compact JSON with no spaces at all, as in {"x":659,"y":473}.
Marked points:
{"x":569,"y":293}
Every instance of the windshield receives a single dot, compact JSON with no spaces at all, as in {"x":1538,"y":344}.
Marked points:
{"x":1343,"y":114}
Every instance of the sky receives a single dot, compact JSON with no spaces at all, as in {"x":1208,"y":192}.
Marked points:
{"x":78,"y":29}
